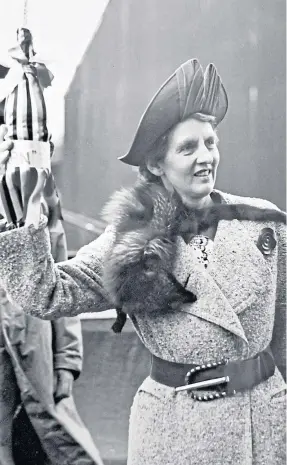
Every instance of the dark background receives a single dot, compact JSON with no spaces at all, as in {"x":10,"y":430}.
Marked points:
{"x":137,"y":46}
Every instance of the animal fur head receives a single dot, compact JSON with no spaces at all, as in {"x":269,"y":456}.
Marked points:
{"x":144,"y":217}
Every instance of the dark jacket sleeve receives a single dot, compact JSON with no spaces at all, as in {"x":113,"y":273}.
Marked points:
{"x":278,"y":343}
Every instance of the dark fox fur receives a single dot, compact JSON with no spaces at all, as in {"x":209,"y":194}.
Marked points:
{"x":138,"y":271}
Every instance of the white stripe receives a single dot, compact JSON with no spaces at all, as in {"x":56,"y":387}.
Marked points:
{"x":35,"y":124}
{"x":22,"y":133}
{"x":9,"y":104}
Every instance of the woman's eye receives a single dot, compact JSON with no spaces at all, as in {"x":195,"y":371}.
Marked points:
{"x":210,"y":143}
{"x":189,"y":150}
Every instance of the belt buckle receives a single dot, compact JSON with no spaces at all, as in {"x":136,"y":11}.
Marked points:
{"x":205,"y":384}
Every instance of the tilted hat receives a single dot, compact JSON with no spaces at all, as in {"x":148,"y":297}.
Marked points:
{"x":187,"y":91}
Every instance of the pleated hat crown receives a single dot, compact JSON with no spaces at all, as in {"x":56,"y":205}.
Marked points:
{"x":187,"y":91}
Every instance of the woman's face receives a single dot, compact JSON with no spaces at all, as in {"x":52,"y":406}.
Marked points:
{"x":191,"y":160}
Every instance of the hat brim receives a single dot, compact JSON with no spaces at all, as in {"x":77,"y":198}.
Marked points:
{"x":151,"y":120}
{"x":165,"y":108}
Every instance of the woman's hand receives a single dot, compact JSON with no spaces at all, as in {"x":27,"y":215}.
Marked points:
{"x":5,"y":145}
{"x":63,"y":382}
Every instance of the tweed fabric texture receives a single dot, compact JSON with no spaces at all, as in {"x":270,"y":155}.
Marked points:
{"x":239,"y":311}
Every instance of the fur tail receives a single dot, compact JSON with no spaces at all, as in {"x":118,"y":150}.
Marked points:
{"x":205,"y":217}
{"x":247,"y":212}
{"x":120,"y":321}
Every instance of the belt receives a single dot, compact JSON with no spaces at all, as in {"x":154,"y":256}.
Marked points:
{"x":223,"y":377}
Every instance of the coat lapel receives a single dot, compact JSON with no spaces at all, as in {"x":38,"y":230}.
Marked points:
{"x":211,"y":305}
{"x":231,"y":283}
{"x":237,"y":265}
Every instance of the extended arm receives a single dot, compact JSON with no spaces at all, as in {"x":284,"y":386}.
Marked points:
{"x":48,"y":290}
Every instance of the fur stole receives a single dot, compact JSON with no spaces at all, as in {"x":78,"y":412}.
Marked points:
{"x":137,"y":273}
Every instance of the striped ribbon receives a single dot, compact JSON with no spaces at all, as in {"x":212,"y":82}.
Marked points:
{"x":26,"y":193}
{"x":25,"y":111}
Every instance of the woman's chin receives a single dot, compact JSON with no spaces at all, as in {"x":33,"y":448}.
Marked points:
{"x":202,"y":191}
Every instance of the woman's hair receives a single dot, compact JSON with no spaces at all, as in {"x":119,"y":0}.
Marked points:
{"x":159,"y":149}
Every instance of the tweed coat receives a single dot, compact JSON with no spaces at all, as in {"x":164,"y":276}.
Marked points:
{"x":239,"y":311}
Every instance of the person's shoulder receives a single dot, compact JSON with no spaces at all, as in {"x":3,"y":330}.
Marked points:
{"x":252,"y":201}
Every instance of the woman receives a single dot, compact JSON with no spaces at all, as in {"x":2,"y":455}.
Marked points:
{"x":235,"y":269}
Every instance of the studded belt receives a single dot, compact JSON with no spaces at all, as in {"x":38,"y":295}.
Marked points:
{"x":215,"y":379}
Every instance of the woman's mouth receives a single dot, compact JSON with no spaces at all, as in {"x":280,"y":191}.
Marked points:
{"x":202,"y":173}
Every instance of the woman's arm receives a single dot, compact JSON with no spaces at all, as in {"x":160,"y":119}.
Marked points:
{"x":48,"y":290}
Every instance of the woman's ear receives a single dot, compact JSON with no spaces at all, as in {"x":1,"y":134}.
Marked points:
{"x":155,"y":168}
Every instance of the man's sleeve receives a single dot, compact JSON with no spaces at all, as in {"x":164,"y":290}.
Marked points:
{"x":68,"y":344}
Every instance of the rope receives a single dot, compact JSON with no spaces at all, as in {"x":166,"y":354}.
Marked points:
{"x":25,"y":13}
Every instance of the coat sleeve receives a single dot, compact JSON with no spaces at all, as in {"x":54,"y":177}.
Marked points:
{"x":278,"y":342}
{"x":47,"y":290}
{"x":68,"y":344}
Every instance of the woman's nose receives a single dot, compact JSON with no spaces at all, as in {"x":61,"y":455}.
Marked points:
{"x":204,"y":155}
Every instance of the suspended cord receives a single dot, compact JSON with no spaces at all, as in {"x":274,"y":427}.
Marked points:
{"x":25,"y":13}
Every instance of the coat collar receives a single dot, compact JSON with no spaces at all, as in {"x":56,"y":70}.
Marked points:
{"x":231,"y":283}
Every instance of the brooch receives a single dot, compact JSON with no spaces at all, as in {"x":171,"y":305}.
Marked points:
{"x":266,"y":241}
